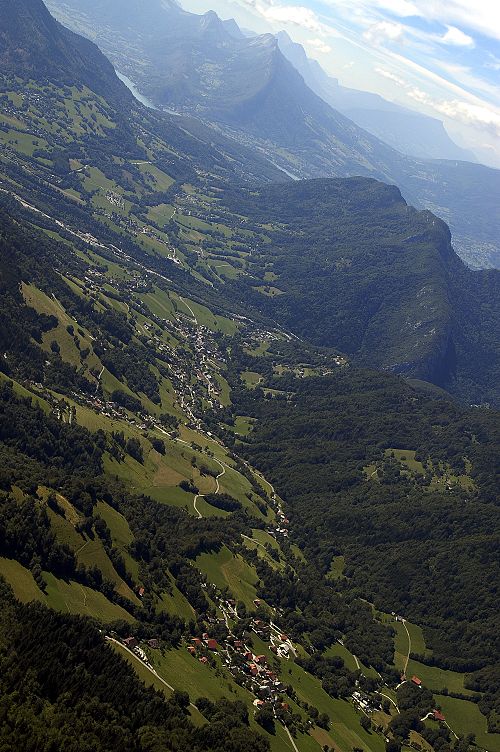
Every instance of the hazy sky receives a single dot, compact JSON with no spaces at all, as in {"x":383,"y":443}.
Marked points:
{"x":441,"y":57}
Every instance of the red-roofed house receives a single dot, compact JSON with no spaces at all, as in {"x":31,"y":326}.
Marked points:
{"x":416,"y":681}
{"x":438,"y":716}
{"x":212,"y":644}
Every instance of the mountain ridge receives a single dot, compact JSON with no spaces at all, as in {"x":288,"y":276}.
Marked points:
{"x":294,"y":128}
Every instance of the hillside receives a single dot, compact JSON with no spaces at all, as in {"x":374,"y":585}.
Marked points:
{"x":355,"y":268}
{"x":191,"y":63}
{"x":181,"y":474}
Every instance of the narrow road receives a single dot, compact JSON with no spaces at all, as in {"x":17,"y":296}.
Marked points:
{"x":99,"y":379}
{"x":217,"y":489}
{"x":189,"y":309}
{"x":409,"y":648}
{"x":292,"y":740}
{"x":390,"y":700}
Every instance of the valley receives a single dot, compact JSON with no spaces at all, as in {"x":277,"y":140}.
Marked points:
{"x":248,"y":472}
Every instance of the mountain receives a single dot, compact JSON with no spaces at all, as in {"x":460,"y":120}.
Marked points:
{"x":32,"y":43}
{"x":249,"y":90}
{"x":355,"y":268}
{"x":205,"y":520}
{"x":409,"y":132}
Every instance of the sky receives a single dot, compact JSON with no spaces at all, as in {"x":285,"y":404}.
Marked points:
{"x":440,"y":57}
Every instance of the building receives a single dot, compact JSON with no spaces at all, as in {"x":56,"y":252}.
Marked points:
{"x":438,"y":716}
{"x":212,"y":644}
{"x":154,"y":644}
{"x":130,"y":642}
{"x":416,"y":681}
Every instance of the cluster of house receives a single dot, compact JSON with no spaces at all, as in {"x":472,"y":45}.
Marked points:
{"x":281,"y":525}
{"x":132,"y":644}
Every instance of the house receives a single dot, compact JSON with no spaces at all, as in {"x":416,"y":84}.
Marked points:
{"x":141,"y":592}
{"x":205,"y":636}
{"x":192,"y":650}
{"x":212,"y":644}
{"x":256,"y":602}
{"x":196,"y":641}
{"x":204,"y":659}
{"x":253,"y":669}
{"x":154,"y":644}
{"x":238,"y":644}
{"x":416,"y":681}
{"x":248,"y":656}
{"x":438,"y":716}
{"x":260,"y":660}
{"x":130,"y":642}
{"x":284,"y":638}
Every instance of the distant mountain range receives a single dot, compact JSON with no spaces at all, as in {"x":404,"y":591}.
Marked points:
{"x":409,"y":132}
{"x":246,"y":86}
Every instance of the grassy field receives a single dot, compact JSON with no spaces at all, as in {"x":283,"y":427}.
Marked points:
{"x":243,"y":425}
{"x":251,"y":379}
{"x":160,"y":214}
{"x":73,"y":598}
{"x":466,"y":718}
{"x":21,"y":580}
{"x":205,"y":317}
{"x":121,"y":535}
{"x":175,"y":603}
{"x":401,"y":642}
{"x":437,"y":679}
{"x":337,"y":568}
{"x":342,"y":652}
{"x":92,"y":554}
{"x":224,"y":569}
{"x":345,"y":729}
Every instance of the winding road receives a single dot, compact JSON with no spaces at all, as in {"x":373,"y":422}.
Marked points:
{"x":217,"y":488}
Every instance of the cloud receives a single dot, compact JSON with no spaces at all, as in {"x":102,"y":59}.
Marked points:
{"x":475,"y":115}
{"x":456,"y":38}
{"x":419,"y":96}
{"x":481,"y":16}
{"x":493,"y":63}
{"x":384,"y":31}
{"x":319,"y":45}
{"x":469,"y":114}
{"x":297,"y":15}
{"x":390,"y":76}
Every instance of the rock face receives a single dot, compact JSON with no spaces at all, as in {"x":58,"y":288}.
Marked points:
{"x":360,"y":270}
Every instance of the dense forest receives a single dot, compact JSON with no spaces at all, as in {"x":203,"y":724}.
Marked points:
{"x":357,"y":269}
{"x":424,"y":548}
